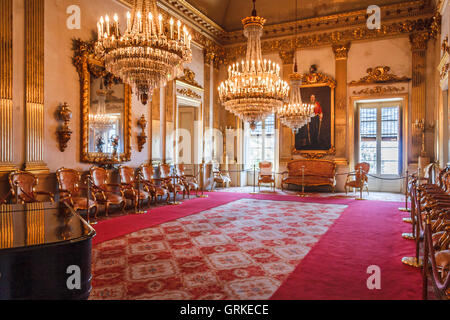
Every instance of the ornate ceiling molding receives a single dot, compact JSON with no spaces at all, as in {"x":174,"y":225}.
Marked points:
{"x":380,"y":74}
{"x":221,"y":47}
{"x":427,"y":25}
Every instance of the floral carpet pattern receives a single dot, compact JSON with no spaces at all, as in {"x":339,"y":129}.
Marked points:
{"x":243,"y":250}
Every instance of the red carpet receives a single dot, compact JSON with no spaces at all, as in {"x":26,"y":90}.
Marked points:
{"x":116,"y":227}
{"x":368,"y":233}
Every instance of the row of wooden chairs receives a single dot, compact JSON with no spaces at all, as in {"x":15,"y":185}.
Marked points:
{"x":135,"y":185}
{"x":430,"y":218}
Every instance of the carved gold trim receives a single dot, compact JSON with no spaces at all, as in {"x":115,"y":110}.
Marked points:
{"x":64,"y":133}
{"x":379,"y":90}
{"x":6,"y":227}
{"x":142,"y":137}
{"x":380,"y":74}
{"x":87,"y":65}
{"x":6,"y":77}
{"x":315,"y":155}
{"x":189,"y":78}
{"x":341,"y":50}
{"x":34,"y":85}
{"x":189,"y":93}
{"x":428,"y":25}
{"x":316,"y":79}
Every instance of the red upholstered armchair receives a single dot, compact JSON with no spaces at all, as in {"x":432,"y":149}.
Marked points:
{"x":310,"y":173}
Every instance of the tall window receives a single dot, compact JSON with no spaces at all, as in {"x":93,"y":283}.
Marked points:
{"x":379,"y":137}
{"x":260,"y":143}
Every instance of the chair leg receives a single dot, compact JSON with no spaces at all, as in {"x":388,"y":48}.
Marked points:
{"x":107,"y":209}
{"x":96,"y":212}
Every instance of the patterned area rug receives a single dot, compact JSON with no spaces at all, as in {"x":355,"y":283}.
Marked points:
{"x":243,"y":250}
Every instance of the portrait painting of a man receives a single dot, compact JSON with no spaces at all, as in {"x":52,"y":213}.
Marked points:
{"x":316,"y":135}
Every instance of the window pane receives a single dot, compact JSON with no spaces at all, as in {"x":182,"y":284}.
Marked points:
{"x":390,"y":140}
{"x":368,"y":137}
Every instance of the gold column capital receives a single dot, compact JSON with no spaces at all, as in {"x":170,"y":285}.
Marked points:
{"x":341,"y":50}
{"x":287,"y":56}
{"x":419,"y":41}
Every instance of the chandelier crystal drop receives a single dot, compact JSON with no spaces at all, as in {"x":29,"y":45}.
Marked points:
{"x":295,"y":114}
{"x":148,"y":53}
{"x":101,"y":120}
{"x":254,"y":89}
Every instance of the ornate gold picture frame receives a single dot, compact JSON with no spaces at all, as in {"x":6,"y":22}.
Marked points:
{"x":317,"y":139}
{"x":89,"y":67}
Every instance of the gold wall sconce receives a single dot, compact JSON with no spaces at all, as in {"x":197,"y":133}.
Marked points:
{"x":64,"y":132}
{"x":142,"y":137}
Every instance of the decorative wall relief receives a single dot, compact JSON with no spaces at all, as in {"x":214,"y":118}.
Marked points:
{"x":64,"y":133}
{"x":380,"y":74}
{"x":142,"y":137}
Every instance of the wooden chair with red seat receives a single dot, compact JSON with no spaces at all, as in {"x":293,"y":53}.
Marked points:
{"x":189,"y":181}
{"x":106,"y":193}
{"x":71,"y":192}
{"x":23,"y":188}
{"x":156,"y":187}
{"x":266,"y":174}
{"x":129,"y":189}
{"x":171,"y":181}
{"x":360,"y":180}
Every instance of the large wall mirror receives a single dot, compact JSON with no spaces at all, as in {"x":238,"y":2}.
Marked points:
{"x":105,"y":110}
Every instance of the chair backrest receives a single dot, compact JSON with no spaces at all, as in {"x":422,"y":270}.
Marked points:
{"x":69,"y":180}
{"x":147,"y":172}
{"x":362,"y":169}
{"x":99,"y":176}
{"x":265,"y":168}
{"x":164,"y":171}
{"x":180,"y":170}
{"x":25,"y":182}
{"x":126,"y":174}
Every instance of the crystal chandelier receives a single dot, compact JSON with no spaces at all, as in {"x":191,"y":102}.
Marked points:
{"x":101,"y":120}
{"x":254,"y":89}
{"x":149,"y":53}
{"x":295,"y":114}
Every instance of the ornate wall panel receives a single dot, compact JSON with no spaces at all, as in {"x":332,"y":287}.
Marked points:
{"x":34,"y":85}
{"x":418,"y":95}
{"x":6,"y":56}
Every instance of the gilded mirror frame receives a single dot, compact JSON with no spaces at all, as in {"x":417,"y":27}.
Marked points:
{"x":87,"y":65}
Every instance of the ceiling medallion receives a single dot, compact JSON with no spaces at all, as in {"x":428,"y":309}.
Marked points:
{"x":148,"y":53}
{"x":254,"y":89}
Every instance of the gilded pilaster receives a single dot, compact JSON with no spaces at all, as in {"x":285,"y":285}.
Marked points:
{"x":6,"y":56}
{"x":419,"y":42}
{"x":341,"y":55}
{"x":34,"y":85}
{"x":286,"y":136}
